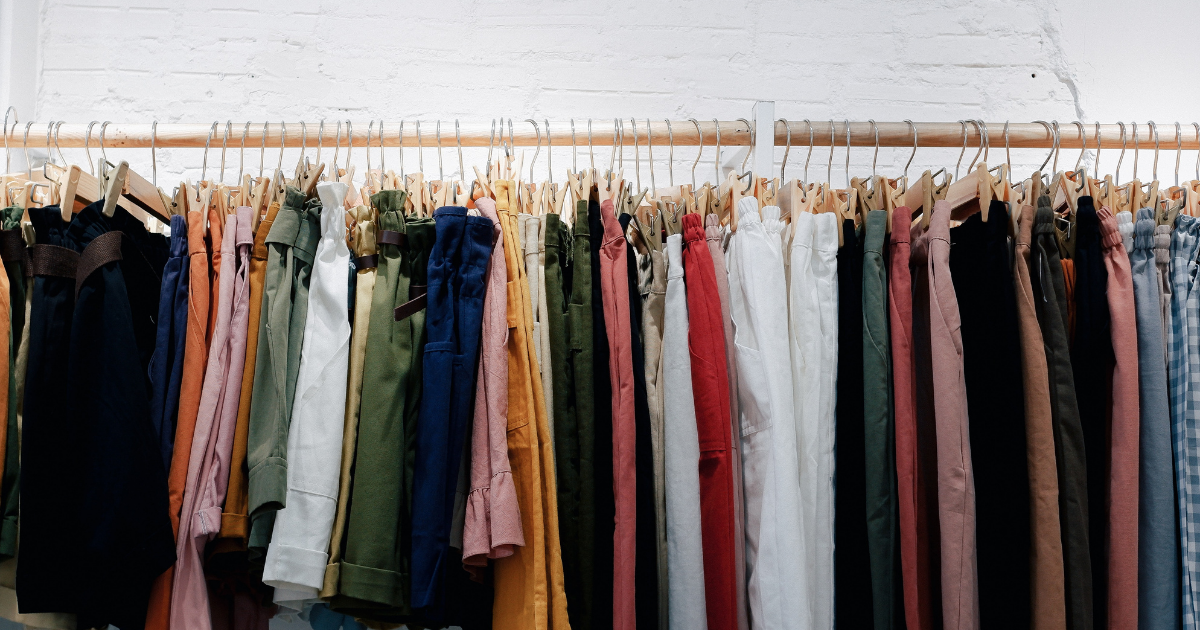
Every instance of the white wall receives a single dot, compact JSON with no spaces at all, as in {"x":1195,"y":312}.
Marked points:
{"x":205,"y":60}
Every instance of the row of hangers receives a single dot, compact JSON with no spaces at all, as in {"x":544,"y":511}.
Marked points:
{"x":658,"y":210}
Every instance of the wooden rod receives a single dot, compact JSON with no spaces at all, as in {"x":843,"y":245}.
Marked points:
{"x":660,"y":133}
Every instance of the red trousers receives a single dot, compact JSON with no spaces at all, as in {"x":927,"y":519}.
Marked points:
{"x":710,"y":387}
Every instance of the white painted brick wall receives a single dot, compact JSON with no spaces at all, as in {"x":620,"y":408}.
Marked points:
{"x":204,"y":60}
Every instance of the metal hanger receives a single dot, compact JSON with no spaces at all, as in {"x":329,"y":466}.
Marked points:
{"x":612,"y":158}
{"x":807,"y":159}
{"x":591,"y":152}
{"x":303,"y":145}
{"x":370,"y":128}
{"x":224,"y":142}
{"x":1057,"y":144}
{"x":242,"y":152}
{"x":829,"y":166}
{"x":1099,"y":145}
{"x":786,"y":149}
{"x":25,"y":148}
{"x":1049,"y":130}
{"x":717,"y":156}
{"x":979,"y":151}
{"x":846,"y":124}
{"x":262,"y":151}
{"x":1154,"y":132}
{"x":204,"y":163}
{"x":1136,"y":149}
{"x":700,"y":150}
{"x":7,"y":156}
{"x":875,"y":158}
{"x":912,"y":155}
{"x":87,"y":149}
{"x":671,"y":155}
{"x":549,"y":152}
{"x":462,"y":173}
{"x":536,"y":151}
{"x":963,"y":127}
{"x":574,"y":151}
{"x":1178,"y":150}
{"x":1083,"y":140}
{"x":1121,"y":157}
{"x":320,"y":141}
{"x":743,"y":173}
{"x":154,"y":153}
{"x":103,"y":153}
{"x":420,"y":150}
{"x":1197,"y":126}
{"x":350,"y":151}
{"x":282,"y":143}
{"x":637,"y":158}
{"x":438,"y":136}
{"x":382,"y":155}
{"x":650,"y":153}
{"x":400,"y":137}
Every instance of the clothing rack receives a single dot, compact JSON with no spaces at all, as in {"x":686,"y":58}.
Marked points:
{"x":633,"y":131}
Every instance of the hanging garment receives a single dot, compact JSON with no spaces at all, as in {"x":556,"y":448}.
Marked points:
{"x":1123,"y":478}
{"x":195,"y":357}
{"x":710,"y":387}
{"x":375,"y":566}
{"x":653,"y":302}
{"x":883,"y":527}
{"x":646,"y":535}
{"x":758,"y":307}
{"x":712,"y":233}
{"x":1162,"y":262}
{"x":212,"y":242}
{"x":106,"y":496}
{"x":1184,"y":338}
{"x":454,"y":315}
{"x":15,"y":258}
{"x":298,"y":552}
{"x":956,"y":483}
{"x":529,"y":583}
{"x":542,"y":307}
{"x":1158,"y":541}
{"x":1125,"y":228}
{"x":166,"y":368}
{"x":366,"y":261}
{"x":235,"y":520}
{"x":852,"y":563}
{"x":1050,"y":299}
{"x":493,"y":518}
{"x":685,"y":544}
{"x":291,"y":244}
{"x":983,"y":285}
{"x":615,"y":291}
{"x":1092,"y":367}
{"x":212,"y":446}
{"x":910,"y":488}
{"x":603,"y":489}
{"x":1048,"y":603}
{"x":559,"y":281}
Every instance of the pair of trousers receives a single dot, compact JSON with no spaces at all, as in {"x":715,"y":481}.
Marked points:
{"x":212,"y":446}
{"x":533,"y":240}
{"x":710,"y":388}
{"x":615,"y":299}
{"x":363,"y":248}
{"x":15,"y":257}
{"x":454,"y":316}
{"x":956,"y":482}
{"x":758,"y":307}
{"x":528,"y":584}
{"x":375,"y":564}
{"x":812,"y":312}
{"x":681,"y":455}
{"x":298,"y":552}
{"x":166,"y":368}
{"x":1158,"y":542}
{"x":883,"y":530}
{"x":1047,"y":605}
{"x":603,"y":490}
{"x":111,"y":494}
{"x":1092,"y":366}
{"x":910,"y":485}
{"x":493,"y":518}
{"x":1050,"y":298}
{"x":982,"y":275}
{"x":652,"y":320}
{"x":851,"y":558}
{"x":646,"y":529}
{"x":291,"y":246}
{"x":195,"y":359}
{"x":1184,"y":338}
{"x":1123,"y":477}
{"x":235,"y":520}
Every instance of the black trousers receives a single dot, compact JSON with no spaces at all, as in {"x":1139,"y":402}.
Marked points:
{"x":980,"y":265}
{"x":1092,"y":364}
{"x":851,"y":560}
{"x":605,"y":514}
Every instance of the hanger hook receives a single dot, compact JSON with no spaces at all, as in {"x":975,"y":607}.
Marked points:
{"x":787,"y":127}
{"x":846,"y":124}
{"x":204,"y":163}
{"x":1197,"y":126}
{"x":438,"y":137}
{"x":650,"y":153}
{"x":350,"y":146}
{"x":1136,"y":149}
{"x":749,"y":149}
{"x":987,"y":139}
{"x":637,"y":158}
{"x":337,"y":149}
{"x":591,"y":152}
{"x":320,"y":139}
{"x":61,"y":158}
{"x":420,"y":149}
{"x":87,"y":144}
{"x":963,"y":128}
{"x":262,"y":151}
{"x":154,"y":153}
{"x":671,"y":155}
{"x":1121,"y":157}
{"x":462,"y":173}
{"x":979,"y":151}
{"x":549,"y":151}
{"x":1083,"y":143}
{"x":1050,"y":131}
{"x":913,"y":127}
{"x":224,"y":142}
{"x":382,"y":163}
{"x":700,"y":150}
{"x":400,"y":136}
{"x":612,"y":157}
{"x":808,"y":123}
{"x":574,"y":151}
{"x":717,"y":157}
{"x":1007,"y":149}
{"x":25,"y":147}
{"x":1099,"y":145}
{"x":875,"y":128}
{"x":1178,"y":149}
{"x":49,"y":147}
{"x":303,"y":141}
{"x":103,"y":127}
{"x":242,"y":156}
{"x":370,"y":128}
{"x":7,"y":157}
{"x":832,"y":144}
{"x":536,"y":151}
{"x":1154,"y":132}
{"x":282,"y":143}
